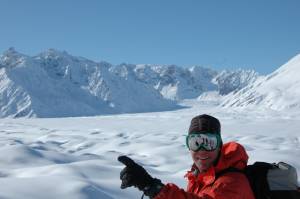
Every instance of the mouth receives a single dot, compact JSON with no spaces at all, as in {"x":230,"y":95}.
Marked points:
{"x":202,"y":158}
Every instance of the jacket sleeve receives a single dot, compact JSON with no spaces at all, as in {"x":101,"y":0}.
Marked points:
{"x":171,"y":191}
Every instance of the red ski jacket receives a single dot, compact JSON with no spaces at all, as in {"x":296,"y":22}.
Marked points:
{"x":230,"y":185}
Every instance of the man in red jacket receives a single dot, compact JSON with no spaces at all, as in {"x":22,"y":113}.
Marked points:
{"x":207,"y":178}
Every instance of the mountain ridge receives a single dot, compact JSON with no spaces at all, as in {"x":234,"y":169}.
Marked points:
{"x":57,"y":84}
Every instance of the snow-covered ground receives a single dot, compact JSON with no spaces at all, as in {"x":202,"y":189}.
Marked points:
{"x":74,"y":158}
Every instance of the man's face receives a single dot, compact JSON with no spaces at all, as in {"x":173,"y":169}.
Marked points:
{"x":204,"y":159}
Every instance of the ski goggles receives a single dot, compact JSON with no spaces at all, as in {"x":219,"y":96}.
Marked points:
{"x":203,"y":141}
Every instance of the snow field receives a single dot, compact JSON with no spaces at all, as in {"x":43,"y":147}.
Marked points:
{"x":77,"y":157}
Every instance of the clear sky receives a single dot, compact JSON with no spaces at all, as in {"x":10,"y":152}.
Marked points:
{"x":222,"y":34}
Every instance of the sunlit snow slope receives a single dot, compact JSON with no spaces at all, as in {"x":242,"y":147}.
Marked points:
{"x":278,"y":91}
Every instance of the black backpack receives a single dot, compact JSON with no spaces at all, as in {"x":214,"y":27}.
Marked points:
{"x":270,"y":181}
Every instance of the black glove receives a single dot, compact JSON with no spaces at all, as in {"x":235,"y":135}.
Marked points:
{"x":135,"y":175}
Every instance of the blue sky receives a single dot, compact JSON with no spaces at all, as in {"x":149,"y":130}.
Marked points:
{"x":228,"y":34}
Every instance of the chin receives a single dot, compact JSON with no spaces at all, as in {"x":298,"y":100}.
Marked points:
{"x":202,"y":168}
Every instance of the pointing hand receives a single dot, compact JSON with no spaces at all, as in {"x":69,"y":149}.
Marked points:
{"x":135,"y":175}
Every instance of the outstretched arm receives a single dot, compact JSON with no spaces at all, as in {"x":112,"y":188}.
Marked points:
{"x":228,"y":186}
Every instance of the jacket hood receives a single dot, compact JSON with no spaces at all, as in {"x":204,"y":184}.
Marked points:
{"x":232,"y":155}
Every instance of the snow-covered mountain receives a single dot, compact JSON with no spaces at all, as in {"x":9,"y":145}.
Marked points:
{"x":56,"y":84}
{"x":232,"y":81}
{"x":279,"y":91}
{"x":176,"y":83}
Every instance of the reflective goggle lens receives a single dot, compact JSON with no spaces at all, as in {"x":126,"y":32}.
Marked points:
{"x":207,"y":141}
